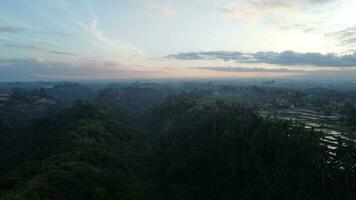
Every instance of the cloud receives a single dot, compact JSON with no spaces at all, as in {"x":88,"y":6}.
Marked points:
{"x":10,"y":29}
{"x":317,"y":74}
{"x":97,"y":33}
{"x":94,"y":31}
{"x":62,"y":53}
{"x":254,"y":11}
{"x":162,"y":9}
{"x":258,"y":9}
{"x":41,"y":69}
{"x":279,"y":13}
{"x":289,"y":58}
{"x":306,"y":28}
{"x":30,"y":47}
{"x":346,"y":37}
{"x":207,"y":55}
{"x":58,"y":33}
{"x":246,"y":69}
{"x":38,"y":48}
{"x":13,"y":29}
{"x":320,"y":1}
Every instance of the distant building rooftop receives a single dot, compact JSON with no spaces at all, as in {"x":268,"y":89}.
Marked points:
{"x":4,"y":97}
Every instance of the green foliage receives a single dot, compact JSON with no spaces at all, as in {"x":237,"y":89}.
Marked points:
{"x":84,"y":158}
{"x":138,"y":144}
{"x":224,"y":151}
{"x":231,"y":98}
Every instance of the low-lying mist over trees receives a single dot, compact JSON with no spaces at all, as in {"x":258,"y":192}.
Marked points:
{"x":187,"y":140}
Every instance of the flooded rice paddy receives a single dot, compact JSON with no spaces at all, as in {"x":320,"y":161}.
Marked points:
{"x":327,"y":125}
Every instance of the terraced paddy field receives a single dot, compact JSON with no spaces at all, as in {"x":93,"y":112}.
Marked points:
{"x":328,"y":125}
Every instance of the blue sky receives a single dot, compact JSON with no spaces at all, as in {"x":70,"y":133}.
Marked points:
{"x":129,"y":39}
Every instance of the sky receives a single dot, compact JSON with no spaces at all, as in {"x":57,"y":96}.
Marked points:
{"x":177,"y":39}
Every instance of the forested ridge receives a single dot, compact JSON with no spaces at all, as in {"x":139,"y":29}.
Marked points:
{"x":134,"y":143}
